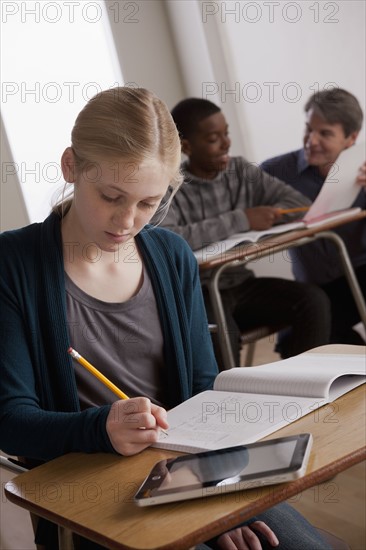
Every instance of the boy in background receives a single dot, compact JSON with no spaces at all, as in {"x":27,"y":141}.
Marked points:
{"x":223,"y":195}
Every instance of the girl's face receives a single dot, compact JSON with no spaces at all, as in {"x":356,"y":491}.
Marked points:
{"x":114,"y":200}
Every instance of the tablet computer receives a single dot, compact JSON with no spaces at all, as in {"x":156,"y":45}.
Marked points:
{"x":226,"y":470}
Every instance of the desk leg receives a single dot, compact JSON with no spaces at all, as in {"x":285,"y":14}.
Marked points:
{"x":218,"y":310}
{"x":348,"y":270}
{"x":65,"y":539}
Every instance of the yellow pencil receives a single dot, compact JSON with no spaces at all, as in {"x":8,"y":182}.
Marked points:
{"x":291,"y":210}
{"x":80,"y":359}
{"x":75,"y":355}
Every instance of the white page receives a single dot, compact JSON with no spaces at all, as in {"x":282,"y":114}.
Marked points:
{"x":215,"y":249}
{"x":344,"y":384}
{"x":215,"y":420}
{"x":306,"y":375}
{"x":340,"y":188}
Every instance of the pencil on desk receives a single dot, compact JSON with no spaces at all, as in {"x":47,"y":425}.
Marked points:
{"x":291,"y":210}
{"x":80,"y":359}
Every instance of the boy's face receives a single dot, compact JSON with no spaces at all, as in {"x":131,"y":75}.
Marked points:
{"x":323,"y":142}
{"x":208,"y":148}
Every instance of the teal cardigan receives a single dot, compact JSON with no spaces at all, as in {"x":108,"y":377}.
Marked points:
{"x":40,"y":417}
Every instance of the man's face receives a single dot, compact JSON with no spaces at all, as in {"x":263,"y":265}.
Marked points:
{"x":323,"y":142}
{"x":208,"y":148}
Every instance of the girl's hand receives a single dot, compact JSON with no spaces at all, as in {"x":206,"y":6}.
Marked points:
{"x":262,"y":217}
{"x":134,"y":424}
{"x":244,"y":538}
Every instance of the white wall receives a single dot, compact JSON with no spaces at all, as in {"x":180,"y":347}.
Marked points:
{"x":145,"y":47}
{"x":276,"y":55}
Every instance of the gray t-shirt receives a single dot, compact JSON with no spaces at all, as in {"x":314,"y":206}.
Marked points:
{"x":123,"y":341}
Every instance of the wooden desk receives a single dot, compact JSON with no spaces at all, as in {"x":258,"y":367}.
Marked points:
{"x":92,"y":494}
{"x":241,"y":255}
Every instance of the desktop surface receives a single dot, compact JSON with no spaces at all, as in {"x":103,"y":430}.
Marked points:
{"x":93,"y":494}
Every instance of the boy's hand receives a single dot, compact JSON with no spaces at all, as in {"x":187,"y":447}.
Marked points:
{"x":262,"y":217}
{"x":134,"y":424}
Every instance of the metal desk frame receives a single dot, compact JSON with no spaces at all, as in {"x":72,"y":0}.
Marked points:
{"x":215,"y":295}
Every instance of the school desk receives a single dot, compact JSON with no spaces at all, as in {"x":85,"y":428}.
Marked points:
{"x":91,"y":494}
{"x":242,"y":255}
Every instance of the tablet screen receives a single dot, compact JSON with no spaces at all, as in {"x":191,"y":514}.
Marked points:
{"x":221,"y":466}
{"x":227,"y":467}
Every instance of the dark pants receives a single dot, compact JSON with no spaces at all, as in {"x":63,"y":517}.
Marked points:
{"x":304,"y":308}
{"x":344,"y":311}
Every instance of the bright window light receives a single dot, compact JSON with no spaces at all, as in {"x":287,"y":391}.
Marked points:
{"x":56,"y":56}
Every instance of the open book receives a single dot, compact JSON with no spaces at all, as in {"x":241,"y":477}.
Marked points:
{"x":248,"y":404}
{"x":220,"y":247}
{"x":333,"y":202}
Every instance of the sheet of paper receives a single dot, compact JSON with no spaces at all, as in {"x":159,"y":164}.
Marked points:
{"x":340,"y":188}
{"x":215,"y":420}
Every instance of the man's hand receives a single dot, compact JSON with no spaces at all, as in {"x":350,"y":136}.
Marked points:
{"x":244,"y":538}
{"x":134,"y":424}
{"x":262,"y":217}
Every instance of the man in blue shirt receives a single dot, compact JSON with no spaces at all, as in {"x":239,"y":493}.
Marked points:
{"x":333,"y":121}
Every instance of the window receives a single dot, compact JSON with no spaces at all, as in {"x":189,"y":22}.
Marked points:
{"x":57,"y":55}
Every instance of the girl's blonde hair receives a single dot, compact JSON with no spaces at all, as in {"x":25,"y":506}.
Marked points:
{"x":129,"y":124}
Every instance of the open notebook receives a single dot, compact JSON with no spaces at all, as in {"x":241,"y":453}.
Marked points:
{"x":247,"y":404}
{"x":333,"y":202}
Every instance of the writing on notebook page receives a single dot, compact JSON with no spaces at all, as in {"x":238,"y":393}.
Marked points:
{"x":249,"y":404}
